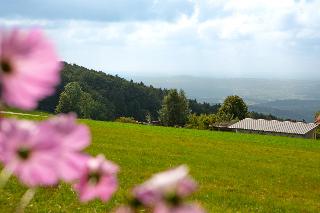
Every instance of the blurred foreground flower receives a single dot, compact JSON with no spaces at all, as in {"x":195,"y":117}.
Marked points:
{"x":164,"y":193}
{"x":98,"y":180}
{"x":170,"y":186}
{"x":72,"y":139}
{"x":29,"y":68}
{"x":28,"y":153}
{"x":45,"y":152}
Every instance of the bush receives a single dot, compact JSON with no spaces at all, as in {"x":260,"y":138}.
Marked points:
{"x":192,"y":122}
{"x":126,"y":120}
{"x":202,"y":121}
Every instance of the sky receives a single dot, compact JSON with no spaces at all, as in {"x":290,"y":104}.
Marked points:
{"x":209,"y":38}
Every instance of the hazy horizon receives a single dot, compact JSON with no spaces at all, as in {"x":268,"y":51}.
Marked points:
{"x":131,"y":75}
{"x":242,"y":39}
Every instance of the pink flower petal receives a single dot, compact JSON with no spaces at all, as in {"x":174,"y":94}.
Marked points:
{"x":35,"y":68}
{"x":71,"y":165}
{"x":101,"y":185}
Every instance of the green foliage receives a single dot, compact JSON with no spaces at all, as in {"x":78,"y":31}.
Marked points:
{"x":232,"y":108}
{"x":192,"y":122}
{"x":74,"y":99}
{"x":202,"y":121}
{"x":203,"y":108}
{"x":235,"y":172}
{"x":175,"y":109}
{"x":126,"y":120}
{"x":116,"y":96}
{"x":256,"y":115}
{"x":94,"y":109}
{"x":102,"y":111}
{"x":70,"y":99}
{"x":148,"y":117}
{"x":223,"y":117}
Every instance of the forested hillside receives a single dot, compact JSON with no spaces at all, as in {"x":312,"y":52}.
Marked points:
{"x":116,"y":96}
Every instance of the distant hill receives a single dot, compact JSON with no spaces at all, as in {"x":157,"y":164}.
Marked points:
{"x":126,"y":97}
{"x":118,"y":96}
{"x":254,"y":91}
{"x":294,"y":99}
{"x":294,"y":109}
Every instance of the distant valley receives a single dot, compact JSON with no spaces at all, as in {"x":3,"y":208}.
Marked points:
{"x":293,"y":109}
{"x":294,"y":99}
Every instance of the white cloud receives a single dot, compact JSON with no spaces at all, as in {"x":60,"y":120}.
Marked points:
{"x":235,"y":37}
{"x":255,"y":18}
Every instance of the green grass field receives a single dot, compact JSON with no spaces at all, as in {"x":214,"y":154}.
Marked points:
{"x":235,"y":172}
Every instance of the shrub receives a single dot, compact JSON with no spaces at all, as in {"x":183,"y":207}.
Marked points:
{"x":202,"y":121}
{"x":126,"y":120}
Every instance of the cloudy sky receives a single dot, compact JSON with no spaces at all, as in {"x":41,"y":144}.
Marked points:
{"x":218,"y":38}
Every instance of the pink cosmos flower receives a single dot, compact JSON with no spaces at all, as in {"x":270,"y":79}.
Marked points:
{"x":169,"y":186}
{"x":72,"y":139}
{"x":28,"y":152}
{"x":29,"y":68}
{"x":164,"y":193}
{"x":98,"y":180}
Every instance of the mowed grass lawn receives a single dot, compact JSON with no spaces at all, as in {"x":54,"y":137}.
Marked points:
{"x":235,"y":172}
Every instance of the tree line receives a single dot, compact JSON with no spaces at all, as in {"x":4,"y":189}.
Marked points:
{"x":97,"y":95}
{"x":175,"y":111}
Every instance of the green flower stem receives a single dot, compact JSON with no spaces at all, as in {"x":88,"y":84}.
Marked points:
{"x":4,"y":177}
{"x":25,"y":200}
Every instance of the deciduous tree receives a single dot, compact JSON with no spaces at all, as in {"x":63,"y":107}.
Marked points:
{"x":175,"y":109}
{"x":70,"y":99}
{"x":233,"y":107}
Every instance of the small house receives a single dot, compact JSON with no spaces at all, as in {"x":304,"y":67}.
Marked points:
{"x":274,"y":127}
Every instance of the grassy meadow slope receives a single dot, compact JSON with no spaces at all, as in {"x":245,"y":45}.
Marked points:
{"x":236,"y":172}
